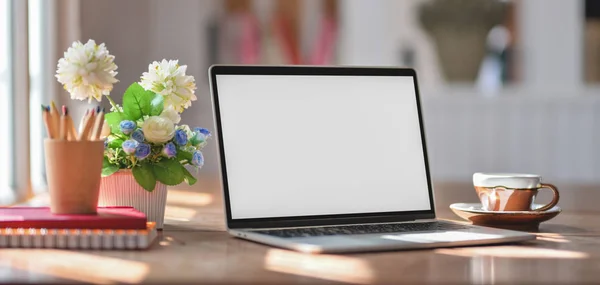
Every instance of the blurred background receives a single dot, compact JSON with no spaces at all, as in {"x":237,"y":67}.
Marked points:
{"x":510,"y":86}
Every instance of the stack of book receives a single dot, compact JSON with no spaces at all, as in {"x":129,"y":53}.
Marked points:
{"x":112,"y":228}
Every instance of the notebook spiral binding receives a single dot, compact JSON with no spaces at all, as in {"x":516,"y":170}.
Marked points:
{"x":78,"y":238}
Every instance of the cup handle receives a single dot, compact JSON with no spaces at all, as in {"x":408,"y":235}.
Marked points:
{"x":554,"y":200}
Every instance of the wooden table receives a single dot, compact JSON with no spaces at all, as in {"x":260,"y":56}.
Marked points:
{"x":193,"y":249}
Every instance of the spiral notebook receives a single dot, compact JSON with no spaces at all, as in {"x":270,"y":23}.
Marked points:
{"x":118,"y":228}
{"x":78,"y":238}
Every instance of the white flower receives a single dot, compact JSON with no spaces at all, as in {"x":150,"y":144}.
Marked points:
{"x":117,"y":109}
{"x":171,"y":114}
{"x":87,"y":71}
{"x":168,"y":78}
{"x":158,"y":129}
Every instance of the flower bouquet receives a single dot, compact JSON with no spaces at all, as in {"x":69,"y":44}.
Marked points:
{"x":143,"y":135}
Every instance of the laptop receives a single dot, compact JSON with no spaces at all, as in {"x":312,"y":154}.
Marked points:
{"x":330,"y":160}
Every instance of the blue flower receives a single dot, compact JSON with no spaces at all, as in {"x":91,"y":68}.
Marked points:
{"x":129,"y":146}
{"x":127,"y":126}
{"x":138,"y":135}
{"x":169,"y":150}
{"x":142,"y":151}
{"x":197,"y":139}
{"x":181,"y":137}
{"x":203,"y":131}
{"x":198,"y":159}
{"x":105,"y":144}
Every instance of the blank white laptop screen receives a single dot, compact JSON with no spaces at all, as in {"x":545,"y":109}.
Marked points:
{"x":298,"y":145}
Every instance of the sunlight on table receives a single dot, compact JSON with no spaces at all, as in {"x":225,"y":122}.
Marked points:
{"x":552,"y":237}
{"x":329,"y":267}
{"x":175,"y":213}
{"x":76,"y":266}
{"x":188,"y":198}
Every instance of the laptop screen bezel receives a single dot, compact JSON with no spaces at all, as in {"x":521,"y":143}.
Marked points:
{"x":314,"y":220}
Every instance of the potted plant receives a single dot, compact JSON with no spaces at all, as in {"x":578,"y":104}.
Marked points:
{"x":146,"y":148}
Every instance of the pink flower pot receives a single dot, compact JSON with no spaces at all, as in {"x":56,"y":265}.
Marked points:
{"x":121,"y":189}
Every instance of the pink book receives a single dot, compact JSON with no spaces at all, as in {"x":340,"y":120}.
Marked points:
{"x":115,"y":218}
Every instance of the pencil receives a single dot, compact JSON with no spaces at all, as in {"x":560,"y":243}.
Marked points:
{"x":89,"y":123}
{"x":93,"y":118}
{"x":82,"y":124}
{"x":70,"y":126}
{"x":55,"y":119}
{"x":47,"y":122}
{"x":72,"y":136}
{"x":98,"y":124}
{"x":63,"y":123}
{"x":82,"y":121}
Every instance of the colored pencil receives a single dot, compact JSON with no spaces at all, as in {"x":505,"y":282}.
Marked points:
{"x":63,"y":124}
{"x":55,"y":119}
{"x":71,"y":128}
{"x":82,"y":121}
{"x":70,"y":131}
{"x":98,"y":125}
{"x":89,"y":124}
{"x":48,"y":122}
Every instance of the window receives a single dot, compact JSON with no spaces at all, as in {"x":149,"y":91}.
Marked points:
{"x":40,"y":75}
{"x":5,"y":91}
{"x":30,"y":31}
{"x":14,"y":112}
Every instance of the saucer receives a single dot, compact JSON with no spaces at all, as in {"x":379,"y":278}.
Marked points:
{"x":514,"y":220}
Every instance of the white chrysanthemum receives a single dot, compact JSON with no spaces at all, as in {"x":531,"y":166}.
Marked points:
{"x":168,"y":78}
{"x":170,"y":113}
{"x":87,"y":71}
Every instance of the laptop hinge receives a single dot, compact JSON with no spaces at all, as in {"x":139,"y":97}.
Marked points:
{"x":335,"y":225}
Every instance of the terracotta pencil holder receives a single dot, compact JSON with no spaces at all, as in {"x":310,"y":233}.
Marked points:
{"x":73,"y":170}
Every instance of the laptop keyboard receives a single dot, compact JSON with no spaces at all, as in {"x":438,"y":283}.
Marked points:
{"x":363,"y":229}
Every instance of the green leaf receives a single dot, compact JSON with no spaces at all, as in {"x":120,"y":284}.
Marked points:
{"x":157,"y":104}
{"x":136,"y":101}
{"x":184,"y":155}
{"x":108,"y":168}
{"x":189,"y":178}
{"x":144,"y":176}
{"x":168,"y":171}
{"x":116,"y":143}
{"x":113,"y":120}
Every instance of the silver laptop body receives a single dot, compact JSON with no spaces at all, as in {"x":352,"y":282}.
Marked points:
{"x":330,"y":159}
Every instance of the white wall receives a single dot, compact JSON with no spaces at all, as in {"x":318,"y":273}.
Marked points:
{"x":527,"y":131}
{"x":556,"y":137}
{"x":552,"y":44}
{"x":374,"y":32}
{"x":180,"y":32}
{"x":547,"y":124}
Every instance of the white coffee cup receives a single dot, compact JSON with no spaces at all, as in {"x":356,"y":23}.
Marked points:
{"x":511,"y":191}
